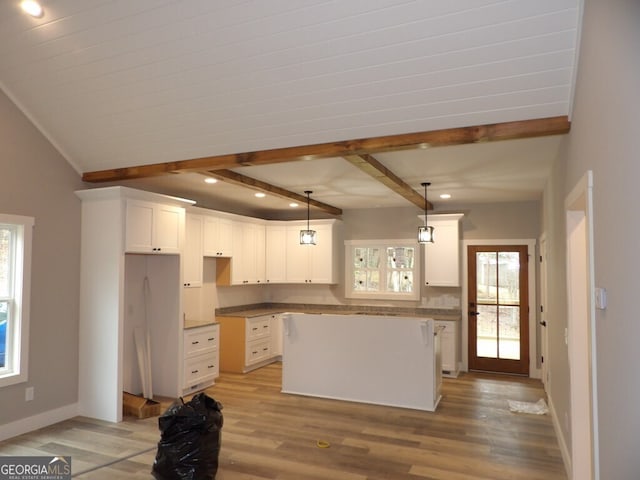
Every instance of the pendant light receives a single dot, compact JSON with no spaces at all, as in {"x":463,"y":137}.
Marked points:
{"x":308,"y":236}
{"x":425,"y":233}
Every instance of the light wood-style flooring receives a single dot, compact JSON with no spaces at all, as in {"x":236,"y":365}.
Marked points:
{"x":270,"y":435}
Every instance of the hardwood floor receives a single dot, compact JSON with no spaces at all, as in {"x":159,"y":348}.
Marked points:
{"x":270,"y":435}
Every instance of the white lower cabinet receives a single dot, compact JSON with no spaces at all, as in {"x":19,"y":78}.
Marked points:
{"x":247,"y":343}
{"x":449,"y":347}
{"x":201,"y":357}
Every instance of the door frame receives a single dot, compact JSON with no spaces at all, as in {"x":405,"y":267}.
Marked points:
{"x":534,"y":371}
{"x":543,"y":332}
{"x":581,"y":329}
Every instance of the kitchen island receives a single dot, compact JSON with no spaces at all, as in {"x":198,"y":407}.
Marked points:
{"x":385,"y":360}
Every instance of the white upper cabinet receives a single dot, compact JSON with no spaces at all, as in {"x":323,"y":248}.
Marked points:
{"x":312,"y":263}
{"x":217,"y":237}
{"x":153,"y":227}
{"x":276,"y":253}
{"x":247,"y":266}
{"x":192,"y":255}
{"x":442,"y":258}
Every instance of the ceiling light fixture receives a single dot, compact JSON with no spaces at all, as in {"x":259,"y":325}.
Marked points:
{"x":260,"y":194}
{"x":445,"y":196}
{"x":293,"y":205}
{"x":210,"y":180}
{"x":33,"y":8}
{"x":308,"y":236}
{"x":425,"y":233}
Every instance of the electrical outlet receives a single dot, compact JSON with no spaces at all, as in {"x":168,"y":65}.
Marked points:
{"x":28,"y":394}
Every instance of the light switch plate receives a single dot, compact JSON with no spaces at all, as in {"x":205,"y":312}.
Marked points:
{"x":601,"y":298}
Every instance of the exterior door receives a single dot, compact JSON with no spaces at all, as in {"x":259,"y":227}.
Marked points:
{"x":498,"y":313}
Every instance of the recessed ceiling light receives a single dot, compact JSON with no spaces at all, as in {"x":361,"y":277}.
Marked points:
{"x":293,"y":205}
{"x":33,"y":8}
{"x":260,"y":195}
{"x":210,"y":180}
{"x":445,"y":196}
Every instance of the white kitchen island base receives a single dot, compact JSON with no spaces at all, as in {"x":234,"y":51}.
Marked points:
{"x":363,"y":358}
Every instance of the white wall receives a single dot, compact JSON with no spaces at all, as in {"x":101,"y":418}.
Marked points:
{"x":604,"y":138}
{"x":38,"y":182}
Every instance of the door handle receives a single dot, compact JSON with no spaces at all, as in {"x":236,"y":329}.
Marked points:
{"x":474,"y":314}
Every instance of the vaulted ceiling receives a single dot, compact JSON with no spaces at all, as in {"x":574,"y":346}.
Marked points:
{"x":293,"y":95}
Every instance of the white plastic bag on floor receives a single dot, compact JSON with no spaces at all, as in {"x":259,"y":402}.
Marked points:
{"x":538,"y":408}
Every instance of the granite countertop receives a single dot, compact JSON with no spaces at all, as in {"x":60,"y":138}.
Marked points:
{"x":248,"y":311}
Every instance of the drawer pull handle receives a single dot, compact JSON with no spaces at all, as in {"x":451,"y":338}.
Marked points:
{"x":194,"y":371}
{"x":255,"y":352}
{"x":211,"y":339}
{"x":210,"y":366}
{"x":195,"y":343}
{"x":255,"y":328}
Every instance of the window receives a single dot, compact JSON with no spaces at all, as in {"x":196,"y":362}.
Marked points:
{"x":382,"y":269}
{"x":15,"y":275}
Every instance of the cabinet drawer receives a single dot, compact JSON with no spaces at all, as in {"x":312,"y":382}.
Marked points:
{"x":200,"y":368}
{"x":258,"y":327}
{"x":258,"y":350}
{"x":200,"y":340}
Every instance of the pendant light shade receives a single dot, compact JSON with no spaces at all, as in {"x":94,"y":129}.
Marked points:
{"x":308,"y":236}
{"x":425,"y":233}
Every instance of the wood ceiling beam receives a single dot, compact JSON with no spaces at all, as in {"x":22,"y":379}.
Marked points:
{"x":377,"y":170}
{"x":435,"y":138}
{"x":244,"y":181}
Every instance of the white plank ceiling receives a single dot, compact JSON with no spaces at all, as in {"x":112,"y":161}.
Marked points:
{"x":116,"y":83}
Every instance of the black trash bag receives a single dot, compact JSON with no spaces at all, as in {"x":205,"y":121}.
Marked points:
{"x":189,"y":440}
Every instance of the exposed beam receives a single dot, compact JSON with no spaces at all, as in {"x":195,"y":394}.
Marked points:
{"x":377,"y":170}
{"x":436,"y":138}
{"x":244,"y":181}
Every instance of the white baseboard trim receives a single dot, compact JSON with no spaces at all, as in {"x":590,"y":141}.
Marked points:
{"x":26,"y":425}
{"x":566,"y":455}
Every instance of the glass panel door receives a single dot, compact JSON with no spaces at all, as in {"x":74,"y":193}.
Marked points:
{"x":498,"y":309}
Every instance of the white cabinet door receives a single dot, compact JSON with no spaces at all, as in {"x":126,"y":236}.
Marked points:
{"x":276,"y":254}
{"x":442,"y":258}
{"x":311,"y":263}
{"x":297,"y":265}
{"x":217,"y":240}
{"x":192,"y":256}
{"x":169,"y":227}
{"x":139,"y":227}
{"x":153,"y":228}
{"x":449,"y":347}
{"x":321,"y":256}
{"x":201,"y":357}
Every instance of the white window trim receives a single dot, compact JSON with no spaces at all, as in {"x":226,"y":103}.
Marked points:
{"x":19,"y":337}
{"x":383,"y":244}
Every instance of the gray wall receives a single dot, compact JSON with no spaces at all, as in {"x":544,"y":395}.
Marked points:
{"x":482,"y":221}
{"x":604,"y":138}
{"x":37,"y":181}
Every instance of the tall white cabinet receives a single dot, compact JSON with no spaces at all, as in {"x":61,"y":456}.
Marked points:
{"x":126,"y":282}
{"x":442,"y":258}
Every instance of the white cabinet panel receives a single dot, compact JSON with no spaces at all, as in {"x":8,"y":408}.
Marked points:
{"x":201,"y":357}
{"x":248,"y":343}
{"x":449,"y":344}
{"x":192,"y":256}
{"x":276,"y":254}
{"x":312,"y":263}
{"x":217,"y":240}
{"x":153,"y":228}
{"x":442,"y":258}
